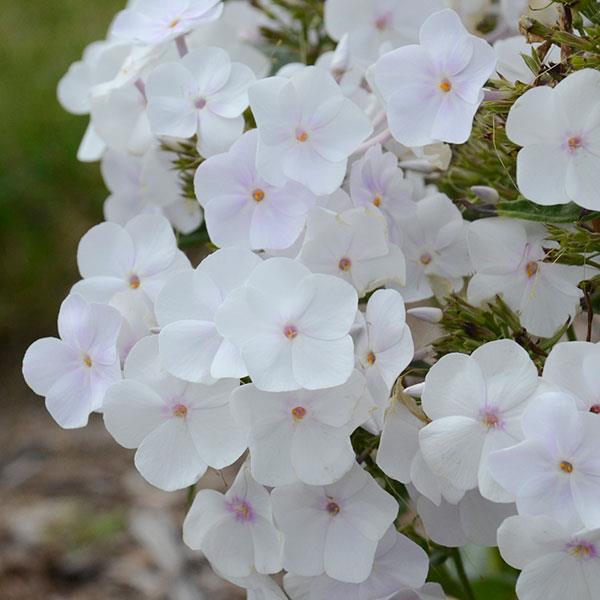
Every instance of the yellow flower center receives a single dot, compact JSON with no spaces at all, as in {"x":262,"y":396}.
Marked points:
{"x":298,"y":413}
{"x":290,"y":332}
{"x":87,"y":361}
{"x":134,"y":282}
{"x":258,"y":195}
{"x":180,"y":410}
{"x":377,"y":201}
{"x":345,"y":264}
{"x":426,"y":258}
{"x":445,"y":86}
{"x":301,"y":135}
{"x":371,"y":358}
{"x":531,"y":268}
{"x":566,"y":467}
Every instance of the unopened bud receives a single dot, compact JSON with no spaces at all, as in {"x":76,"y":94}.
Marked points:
{"x":486,"y":193}
{"x":429,"y":314}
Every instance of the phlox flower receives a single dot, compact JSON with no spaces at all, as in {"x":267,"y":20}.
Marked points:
{"x":559,"y":130}
{"x":399,"y":564}
{"x":74,"y":371}
{"x":433,"y":240}
{"x":302,"y":435}
{"x":147,"y":184}
{"x":508,"y":259}
{"x":573,"y":368}
{"x":153,"y":22}
{"x":554,"y":562}
{"x":138,"y":258}
{"x":190,"y":345}
{"x":340,"y":524}
{"x":431,"y":91}
{"x":376,"y":179}
{"x":555,"y":470}
{"x":235,"y":531}
{"x":241,"y":208}
{"x":353,"y":246}
{"x":202,"y":94}
{"x":399,"y":456}
{"x":471,"y":520}
{"x":257,"y":586}
{"x":383,"y":347}
{"x":178,"y":428}
{"x":373,"y":24}
{"x":291,"y":326}
{"x":476,"y":403}
{"x":307,"y":129}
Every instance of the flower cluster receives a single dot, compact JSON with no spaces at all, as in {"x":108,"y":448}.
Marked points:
{"x":304,"y":348}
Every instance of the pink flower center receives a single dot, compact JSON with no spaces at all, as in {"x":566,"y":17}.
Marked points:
{"x":595,"y":409}
{"x":258,"y":195}
{"x":200,"y":103}
{"x":333,"y":508}
{"x":301,"y":135}
{"x":134,"y":282}
{"x":491,"y":418}
{"x":298,"y":413}
{"x":574,"y":143}
{"x":241,"y":509}
{"x":382,"y":22}
{"x":345,"y":264}
{"x":582,"y":550}
{"x":180,"y":410}
{"x":290,"y":332}
{"x":426,"y":258}
{"x":531,"y":268}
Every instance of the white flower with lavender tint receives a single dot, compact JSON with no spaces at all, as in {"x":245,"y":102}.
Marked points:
{"x":476,"y":403}
{"x":431,"y":91}
{"x":179,"y":429}
{"x":138,"y":258}
{"x":508,"y":258}
{"x":353,"y":246}
{"x":153,"y":22}
{"x":302,"y":435}
{"x":307,"y":129}
{"x":235,"y":531}
{"x":202,"y":94}
{"x":399,"y":564}
{"x":291,"y":326}
{"x":341,"y":524}
{"x":376,"y":179}
{"x":555,"y":470}
{"x":74,"y":372}
{"x":190,"y":345}
{"x":241,"y":208}
{"x":434,"y":242}
{"x":559,"y":129}
{"x":554,"y":562}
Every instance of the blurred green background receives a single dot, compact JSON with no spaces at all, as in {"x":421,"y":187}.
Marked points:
{"x":47,"y":198}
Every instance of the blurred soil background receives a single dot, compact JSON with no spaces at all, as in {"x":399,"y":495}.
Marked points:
{"x":76,"y":520}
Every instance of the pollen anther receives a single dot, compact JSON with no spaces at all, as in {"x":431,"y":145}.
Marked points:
{"x":531,"y":268}
{"x":258,"y":195}
{"x":345,"y":264}
{"x":566,"y":467}
{"x":445,"y":86}
{"x":134,"y":282}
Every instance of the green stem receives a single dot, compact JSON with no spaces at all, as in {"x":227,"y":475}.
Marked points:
{"x":462,"y":574}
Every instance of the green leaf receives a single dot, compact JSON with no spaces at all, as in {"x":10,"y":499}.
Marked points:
{"x":559,"y":213}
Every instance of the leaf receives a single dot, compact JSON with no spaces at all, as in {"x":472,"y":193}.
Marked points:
{"x":559,"y":213}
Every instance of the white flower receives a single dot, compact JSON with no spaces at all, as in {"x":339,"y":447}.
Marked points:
{"x":435,"y":246}
{"x":190,"y":345}
{"x":472,"y":520}
{"x":202,"y":94}
{"x":573,"y":368}
{"x":555,"y":563}
{"x":376,"y":179}
{"x":383,"y":347}
{"x":244,"y":210}
{"x":301,"y":435}
{"x":147,"y":184}
{"x":511,"y":64}
{"x":555,"y":471}
{"x":235,"y":531}
{"x":432,"y":91}
{"x":373,"y":24}
{"x":333,"y":529}
{"x":178,"y":428}
{"x":257,"y":586}
{"x":476,"y":403}
{"x":508,"y":259}
{"x":74,"y":372}
{"x":399,"y":563}
{"x":153,"y":22}
{"x":307,"y":129}
{"x":138,"y":258}
{"x":291,"y":326}
{"x":354,"y":246}
{"x":400,"y":457}
{"x":559,"y":129}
